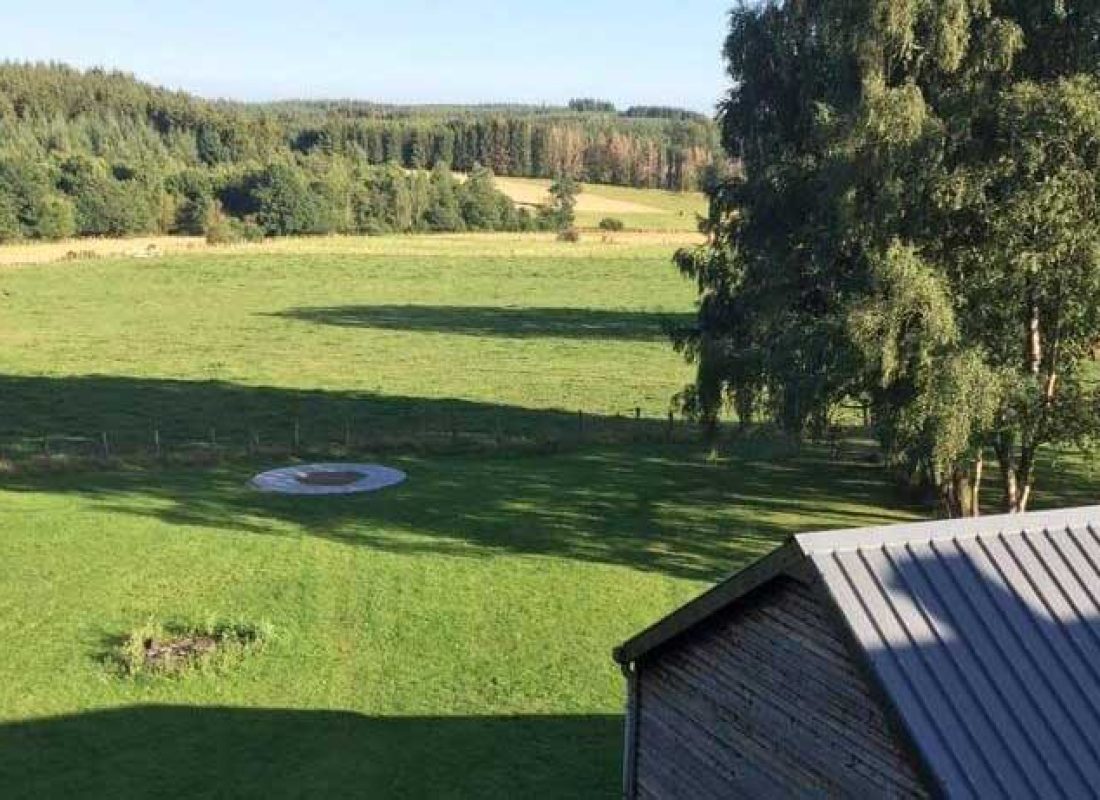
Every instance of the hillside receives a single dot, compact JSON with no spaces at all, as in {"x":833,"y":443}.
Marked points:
{"x":48,"y":108}
{"x":102,"y":154}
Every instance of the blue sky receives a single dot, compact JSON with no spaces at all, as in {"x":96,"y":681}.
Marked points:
{"x":629,"y":51}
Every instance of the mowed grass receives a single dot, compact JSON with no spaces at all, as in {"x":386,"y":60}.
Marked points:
{"x":447,"y":638}
{"x":371,"y":329}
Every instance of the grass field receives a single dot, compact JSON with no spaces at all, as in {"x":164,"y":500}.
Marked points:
{"x":639,"y":209}
{"x":447,"y":638}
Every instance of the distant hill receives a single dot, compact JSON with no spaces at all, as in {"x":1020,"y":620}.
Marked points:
{"x":113,"y":113}
{"x":99,"y":152}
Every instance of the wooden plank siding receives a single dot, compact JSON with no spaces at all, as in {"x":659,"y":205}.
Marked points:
{"x":764,"y":700}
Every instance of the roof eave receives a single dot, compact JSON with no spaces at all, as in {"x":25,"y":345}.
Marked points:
{"x":781,"y":561}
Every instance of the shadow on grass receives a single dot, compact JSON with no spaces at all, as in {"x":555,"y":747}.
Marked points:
{"x":663,"y":508}
{"x":129,"y":409}
{"x":178,"y":751}
{"x":514,"y":323}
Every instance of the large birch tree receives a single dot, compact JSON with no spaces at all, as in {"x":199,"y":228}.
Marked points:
{"x":916,"y":226}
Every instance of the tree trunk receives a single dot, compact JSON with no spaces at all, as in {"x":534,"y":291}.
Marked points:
{"x":1033,"y":342}
{"x":1006,"y":457}
{"x":958,"y":493}
{"x":976,"y":486}
{"x":1025,"y":477}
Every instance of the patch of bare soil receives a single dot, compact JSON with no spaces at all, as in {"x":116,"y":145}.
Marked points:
{"x":168,"y":654}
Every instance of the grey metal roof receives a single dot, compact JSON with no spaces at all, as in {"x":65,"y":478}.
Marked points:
{"x":984,"y":635}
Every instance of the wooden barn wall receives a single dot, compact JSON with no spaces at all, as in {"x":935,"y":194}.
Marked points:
{"x":764,"y":702}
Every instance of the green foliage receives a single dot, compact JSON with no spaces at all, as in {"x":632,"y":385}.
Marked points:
{"x":482,"y":207}
{"x":286,"y":204}
{"x":221,"y":229}
{"x":611,"y":224}
{"x":121,"y":157}
{"x":104,"y":205}
{"x":589,"y":105}
{"x":444,"y":211}
{"x":915,"y":229}
{"x":54,"y":108}
{"x":560,"y":214}
{"x":33,"y":208}
{"x":10,"y":228}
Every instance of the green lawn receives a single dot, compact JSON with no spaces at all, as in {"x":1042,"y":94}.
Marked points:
{"x":466,"y":327}
{"x":447,"y":638}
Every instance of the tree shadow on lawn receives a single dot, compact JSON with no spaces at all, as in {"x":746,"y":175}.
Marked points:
{"x":662,"y":508}
{"x":513,"y":323}
{"x":183,"y":751}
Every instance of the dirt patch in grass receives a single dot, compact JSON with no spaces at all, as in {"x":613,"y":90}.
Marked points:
{"x":177,"y":648}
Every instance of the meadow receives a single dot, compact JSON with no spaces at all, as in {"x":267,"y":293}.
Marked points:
{"x":450,"y":637}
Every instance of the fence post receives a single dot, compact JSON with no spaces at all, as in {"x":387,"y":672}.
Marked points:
{"x":106,"y":446}
{"x":671,"y":423}
{"x":46,"y":445}
{"x":156,"y":442}
{"x":213,"y":437}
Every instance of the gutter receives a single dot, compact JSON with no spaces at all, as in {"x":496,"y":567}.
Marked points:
{"x":630,"y":738}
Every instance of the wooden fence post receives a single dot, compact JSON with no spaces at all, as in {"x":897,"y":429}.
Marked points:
{"x":156,"y":442}
{"x":106,"y":445}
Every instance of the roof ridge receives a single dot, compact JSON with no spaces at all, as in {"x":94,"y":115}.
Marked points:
{"x":942,"y":529}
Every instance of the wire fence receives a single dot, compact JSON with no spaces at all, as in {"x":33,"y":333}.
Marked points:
{"x":326,"y":436}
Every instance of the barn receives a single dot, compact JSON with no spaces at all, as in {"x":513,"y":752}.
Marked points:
{"x":958,"y":658}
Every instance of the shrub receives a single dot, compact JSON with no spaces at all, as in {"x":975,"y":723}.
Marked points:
{"x":286,"y":204}
{"x":611,"y":224}
{"x":10,"y":229}
{"x":225,"y":230}
{"x":56,"y":220}
{"x":250,"y":231}
{"x":571,"y":235}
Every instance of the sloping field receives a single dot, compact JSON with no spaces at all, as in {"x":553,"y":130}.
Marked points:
{"x":530,"y":192}
{"x":640,"y":209}
{"x":448,"y":638}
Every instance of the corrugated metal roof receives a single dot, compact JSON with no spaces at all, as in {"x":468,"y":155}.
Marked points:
{"x":985,"y":636}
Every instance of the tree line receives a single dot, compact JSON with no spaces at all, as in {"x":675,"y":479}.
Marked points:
{"x":47,"y":106}
{"x":916,"y":229}
{"x":97,"y":153}
{"x":84,"y":196}
{"x":674,"y":155}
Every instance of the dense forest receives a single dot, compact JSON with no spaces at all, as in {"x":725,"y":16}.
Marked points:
{"x":101,"y":153}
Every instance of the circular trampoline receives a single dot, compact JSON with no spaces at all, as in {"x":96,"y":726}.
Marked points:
{"x":320,"y":479}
